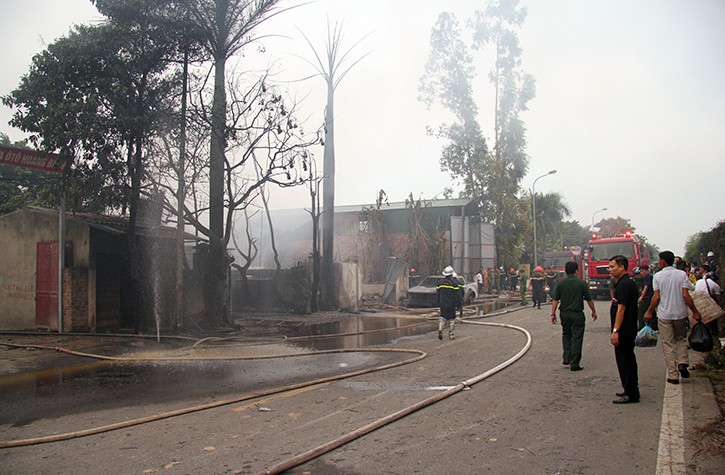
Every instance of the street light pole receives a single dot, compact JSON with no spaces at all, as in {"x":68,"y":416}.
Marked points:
{"x":533,"y":199}
{"x":597,"y":211}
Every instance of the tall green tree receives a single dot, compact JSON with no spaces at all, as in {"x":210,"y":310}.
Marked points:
{"x":65,"y":103}
{"x":551,"y":209}
{"x":493,"y":177}
{"x":574,"y":234}
{"x":448,"y":78}
{"x":692,"y":248}
{"x":700,"y":244}
{"x":497,"y":26}
{"x":514,"y":232}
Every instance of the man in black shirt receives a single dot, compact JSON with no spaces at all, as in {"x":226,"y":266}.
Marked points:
{"x":623,"y":314}
{"x":645,"y":298}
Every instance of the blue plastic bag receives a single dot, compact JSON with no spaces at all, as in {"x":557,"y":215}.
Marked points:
{"x":645,"y":337}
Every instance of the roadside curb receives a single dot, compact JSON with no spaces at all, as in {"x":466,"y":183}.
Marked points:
{"x":700,"y":408}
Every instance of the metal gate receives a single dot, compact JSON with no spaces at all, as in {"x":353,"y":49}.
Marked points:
{"x":46,"y":286}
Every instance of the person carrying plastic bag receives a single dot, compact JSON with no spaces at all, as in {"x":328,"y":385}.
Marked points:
{"x":645,"y":337}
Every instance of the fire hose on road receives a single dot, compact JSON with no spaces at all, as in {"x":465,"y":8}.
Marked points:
{"x":350,"y":436}
{"x":313,"y":453}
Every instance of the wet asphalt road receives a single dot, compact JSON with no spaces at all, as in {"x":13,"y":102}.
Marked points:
{"x":73,"y":385}
{"x":534,"y":417}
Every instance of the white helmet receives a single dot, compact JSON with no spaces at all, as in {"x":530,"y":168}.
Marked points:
{"x":710,"y":254}
{"x":448,"y":271}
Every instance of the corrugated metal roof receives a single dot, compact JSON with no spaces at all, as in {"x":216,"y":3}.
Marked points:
{"x":453,"y":203}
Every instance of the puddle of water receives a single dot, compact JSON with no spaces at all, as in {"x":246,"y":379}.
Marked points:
{"x":489,"y":307}
{"x":85,"y":384}
{"x":102,"y":385}
{"x":356,"y":332}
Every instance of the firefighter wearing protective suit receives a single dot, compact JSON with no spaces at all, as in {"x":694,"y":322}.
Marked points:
{"x":551,"y":275}
{"x":450,"y":299}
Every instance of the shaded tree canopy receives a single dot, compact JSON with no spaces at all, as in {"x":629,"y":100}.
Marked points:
{"x":608,"y":227}
{"x":97,"y":95}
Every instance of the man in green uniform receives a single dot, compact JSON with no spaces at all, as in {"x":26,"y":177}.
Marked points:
{"x":570,"y":294}
{"x":523,"y":282}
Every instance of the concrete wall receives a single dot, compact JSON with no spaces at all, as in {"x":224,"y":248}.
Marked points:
{"x":97,"y":256}
{"x":266,"y":290}
{"x":290,"y":290}
{"x":20,"y":232}
{"x":76,"y":300}
{"x":350,"y":288}
{"x":374,"y":292}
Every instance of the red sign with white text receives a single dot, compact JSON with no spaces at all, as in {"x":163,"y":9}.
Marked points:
{"x":19,"y":157}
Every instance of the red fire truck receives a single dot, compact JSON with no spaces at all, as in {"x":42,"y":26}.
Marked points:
{"x":558,"y":259}
{"x":600,"y":249}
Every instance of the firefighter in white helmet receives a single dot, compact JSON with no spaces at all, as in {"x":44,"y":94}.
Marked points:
{"x":450,"y":298}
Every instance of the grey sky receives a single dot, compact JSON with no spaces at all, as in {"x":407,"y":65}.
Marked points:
{"x":629,"y":108}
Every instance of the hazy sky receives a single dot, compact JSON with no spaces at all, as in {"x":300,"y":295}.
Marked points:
{"x":630,"y":103}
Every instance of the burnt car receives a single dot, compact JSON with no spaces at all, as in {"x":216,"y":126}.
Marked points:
{"x":424,"y":294}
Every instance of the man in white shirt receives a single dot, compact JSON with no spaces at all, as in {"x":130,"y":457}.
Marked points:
{"x":706,"y":284}
{"x":671,"y":299}
{"x":479,"y":281}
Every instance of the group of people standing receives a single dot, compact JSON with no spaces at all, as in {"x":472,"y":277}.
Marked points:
{"x":542,"y":283}
{"x":494,"y":280}
{"x":661,"y":301}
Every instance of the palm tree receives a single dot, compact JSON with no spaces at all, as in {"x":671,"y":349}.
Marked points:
{"x":551,"y":210}
{"x":333,"y":68}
